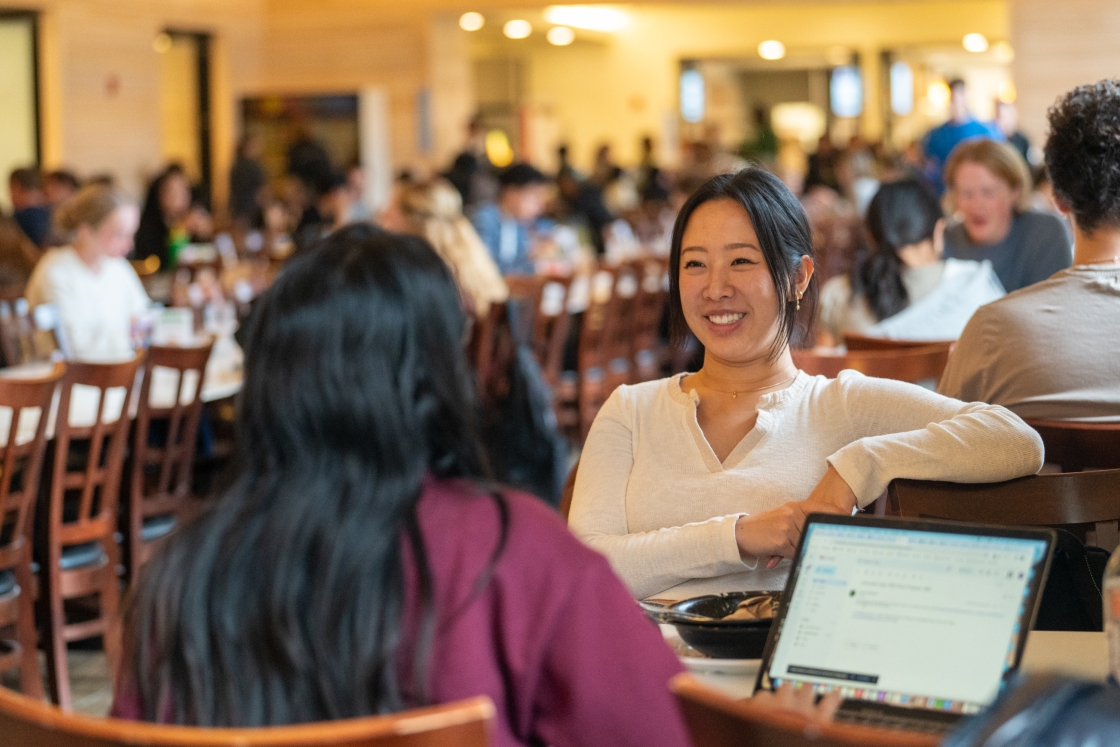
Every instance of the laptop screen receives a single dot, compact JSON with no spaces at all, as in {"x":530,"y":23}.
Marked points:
{"x":910,"y":617}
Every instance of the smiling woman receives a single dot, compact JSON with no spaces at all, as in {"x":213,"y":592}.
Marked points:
{"x":700,"y":483}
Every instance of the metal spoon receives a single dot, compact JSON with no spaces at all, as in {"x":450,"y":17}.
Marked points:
{"x":661,"y":613}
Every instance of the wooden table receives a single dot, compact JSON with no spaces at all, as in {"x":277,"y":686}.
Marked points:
{"x":223,"y":378}
{"x":1080,"y":654}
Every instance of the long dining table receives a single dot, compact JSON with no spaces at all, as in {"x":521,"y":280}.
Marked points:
{"x":1079,"y":654}
{"x":222,"y":379}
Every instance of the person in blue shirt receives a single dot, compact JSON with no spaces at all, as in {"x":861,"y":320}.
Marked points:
{"x":29,"y":205}
{"x":940,"y":141}
{"x":507,"y":227}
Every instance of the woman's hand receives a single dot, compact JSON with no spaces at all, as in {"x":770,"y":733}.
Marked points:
{"x":776,"y":532}
{"x":832,"y":489}
{"x":800,"y":700}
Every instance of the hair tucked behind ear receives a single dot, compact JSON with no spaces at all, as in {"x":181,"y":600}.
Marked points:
{"x":901,"y":214}
{"x":283,"y":604}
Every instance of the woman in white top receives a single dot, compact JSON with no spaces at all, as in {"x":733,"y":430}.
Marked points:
{"x":94,"y":288}
{"x":700,"y":483}
{"x":902,"y":288}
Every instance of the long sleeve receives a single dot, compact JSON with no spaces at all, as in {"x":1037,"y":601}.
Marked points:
{"x":648,"y":562}
{"x":905,"y":431}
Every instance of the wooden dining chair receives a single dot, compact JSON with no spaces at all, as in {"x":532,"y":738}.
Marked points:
{"x":466,"y":723}
{"x":1077,"y":446}
{"x":914,"y":364}
{"x":550,"y":330}
{"x":1087,"y":504}
{"x":853,"y":341}
{"x":22,"y":462}
{"x":80,"y":552}
{"x":645,"y":325}
{"x":159,"y":484}
{"x":716,"y":720}
{"x":525,"y":295}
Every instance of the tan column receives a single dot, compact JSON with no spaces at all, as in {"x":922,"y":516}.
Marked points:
{"x":870,"y":68}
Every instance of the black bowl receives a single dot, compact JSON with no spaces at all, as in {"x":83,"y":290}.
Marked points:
{"x":731,"y":639}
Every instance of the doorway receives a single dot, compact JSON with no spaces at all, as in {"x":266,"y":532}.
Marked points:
{"x":185,"y":106}
{"x":19,"y":90}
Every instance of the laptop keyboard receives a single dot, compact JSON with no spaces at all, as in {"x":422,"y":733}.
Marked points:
{"x":929,"y":722}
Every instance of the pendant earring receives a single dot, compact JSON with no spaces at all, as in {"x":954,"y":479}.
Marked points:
{"x":798,"y":308}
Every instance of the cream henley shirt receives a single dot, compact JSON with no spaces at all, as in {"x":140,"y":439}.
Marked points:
{"x":654,"y":499}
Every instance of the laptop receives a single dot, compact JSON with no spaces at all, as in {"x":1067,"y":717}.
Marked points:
{"x":916,"y":623}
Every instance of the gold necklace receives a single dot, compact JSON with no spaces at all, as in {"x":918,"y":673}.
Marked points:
{"x":735,"y":394}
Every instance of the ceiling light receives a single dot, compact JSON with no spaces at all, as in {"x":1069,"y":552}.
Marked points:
{"x":590,"y":17}
{"x":561,"y":36}
{"x":162,"y":43}
{"x":1004,"y":52}
{"x":517,"y":29}
{"x":471,"y":21}
{"x":938,"y":94}
{"x":975,"y":42}
{"x":771,"y":50}
{"x":1007,"y":92}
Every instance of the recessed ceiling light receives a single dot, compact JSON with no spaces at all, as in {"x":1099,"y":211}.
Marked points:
{"x":590,"y":17}
{"x":975,"y":42}
{"x":771,"y":49}
{"x":471,"y":21}
{"x":561,"y":36}
{"x":517,"y":29}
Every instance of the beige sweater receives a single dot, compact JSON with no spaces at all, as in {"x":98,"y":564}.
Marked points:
{"x":652,"y":496}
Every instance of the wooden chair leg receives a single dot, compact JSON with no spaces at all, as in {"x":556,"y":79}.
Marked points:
{"x":110,"y":613}
{"x":30,"y":679}
{"x":58,"y":669}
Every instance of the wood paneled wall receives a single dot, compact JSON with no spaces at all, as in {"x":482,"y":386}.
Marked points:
{"x":1060,"y":44}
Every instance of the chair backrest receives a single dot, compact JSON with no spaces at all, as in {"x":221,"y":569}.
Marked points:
{"x":649,"y":306}
{"x":903,"y":364}
{"x":526,"y":293}
{"x":31,"y":723}
{"x":152,"y":491}
{"x":83,"y":502}
{"x":1078,"y":446}
{"x":550,"y":331}
{"x":853,"y":341}
{"x":1076,"y":501}
{"x":17,"y":498}
{"x":715,"y":720}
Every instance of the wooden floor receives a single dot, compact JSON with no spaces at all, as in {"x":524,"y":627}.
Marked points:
{"x":89,"y":678}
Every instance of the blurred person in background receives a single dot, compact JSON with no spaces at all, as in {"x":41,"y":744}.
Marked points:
{"x":822,"y":165}
{"x":247,"y":183}
{"x":583,"y":201}
{"x":308,"y":160}
{"x":604,"y":168}
{"x":96,"y":291}
{"x":902,"y":287}
{"x":471,"y":171}
{"x":434,"y":210}
{"x":170,"y":218}
{"x":18,"y":255}
{"x":509,"y":227}
{"x":1007,"y":119}
{"x":326,"y":213}
{"x":1050,"y":351}
{"x":989,"y":186}
{"x":29,"y":205}
{"x":357,"y":211}
{"x":940,"y":141}
{"x":59,"y":185}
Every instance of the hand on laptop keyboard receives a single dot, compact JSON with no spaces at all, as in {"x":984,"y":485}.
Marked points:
{"x":800,"y":700}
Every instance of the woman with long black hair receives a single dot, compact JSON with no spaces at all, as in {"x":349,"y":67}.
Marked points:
{"x":902,"y":287}
{"x":358,"y":561}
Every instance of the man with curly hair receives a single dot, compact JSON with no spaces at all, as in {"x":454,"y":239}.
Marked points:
{"x":1052,"y":350}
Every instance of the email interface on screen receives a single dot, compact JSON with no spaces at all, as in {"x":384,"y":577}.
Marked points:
{"x":907,"y":617}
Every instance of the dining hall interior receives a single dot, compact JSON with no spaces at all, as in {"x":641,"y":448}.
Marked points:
{"x":725,"y":373}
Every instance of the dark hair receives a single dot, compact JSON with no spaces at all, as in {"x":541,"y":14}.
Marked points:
{"x":955,"y":83}
{"x":26,"y":178}
{"x":900,"y":214}
{"x":153,"y":232}
{"x":783,"y":231}
{"x":61,"y":176}
{"x":284,"y":602}
{"x":1083,"y":153}
{"x":521,"y":175}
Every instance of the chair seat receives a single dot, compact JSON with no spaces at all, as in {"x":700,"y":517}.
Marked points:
{"x":82,"y":556}
{"x":155,"y":527}
{"x":7,"y":582}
